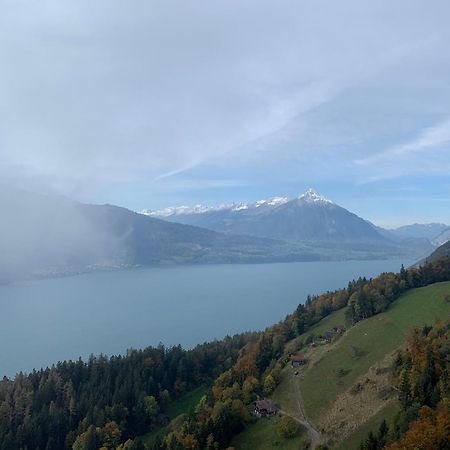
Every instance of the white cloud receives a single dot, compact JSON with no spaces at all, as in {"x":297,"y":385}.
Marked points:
{"x":93,"y":95}
{"x":430,"y":138}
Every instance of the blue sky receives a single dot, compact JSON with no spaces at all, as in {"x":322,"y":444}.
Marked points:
{"x":148,"y":104}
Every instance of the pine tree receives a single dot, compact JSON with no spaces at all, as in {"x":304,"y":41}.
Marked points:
{"x":382,"y":434}
{"x":405,"y":390}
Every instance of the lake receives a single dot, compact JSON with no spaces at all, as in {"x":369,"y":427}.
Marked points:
{"x":47,"y":320}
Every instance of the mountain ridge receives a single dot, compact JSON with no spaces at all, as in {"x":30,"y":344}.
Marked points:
{"x":308,"y":217}
{"x":249,"y":218}
{"x":53,"y":236}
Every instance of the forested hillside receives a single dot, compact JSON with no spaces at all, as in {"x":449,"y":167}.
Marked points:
{"x":442,"y":251}
{"x":106,"y":401}
{"x":422,"y":380}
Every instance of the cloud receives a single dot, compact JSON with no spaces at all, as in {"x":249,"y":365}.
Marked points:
{"x":96,"y":96}
{"x":426,"y":155}
{"x":431,"y":137}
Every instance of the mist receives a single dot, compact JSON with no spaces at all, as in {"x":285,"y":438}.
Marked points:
{"x":43,"y":235}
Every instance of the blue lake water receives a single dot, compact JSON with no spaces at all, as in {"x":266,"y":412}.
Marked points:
{"x":48,"y":320}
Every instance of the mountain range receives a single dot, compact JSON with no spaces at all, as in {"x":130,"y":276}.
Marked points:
{"x":310,"y":217}
{"x":430,"y":231}
{"x":45,"y":235}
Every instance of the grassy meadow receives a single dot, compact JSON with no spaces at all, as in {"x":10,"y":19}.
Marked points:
{"x":361,"y":359}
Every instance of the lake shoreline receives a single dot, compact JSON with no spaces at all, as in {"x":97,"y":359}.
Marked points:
{"x":108,"y":312}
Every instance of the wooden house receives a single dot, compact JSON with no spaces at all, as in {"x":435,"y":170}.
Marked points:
{"x":339,"y":329}
{"x":298,"y":360}
{"x":329,"y":336}
{"x":265,"y":407}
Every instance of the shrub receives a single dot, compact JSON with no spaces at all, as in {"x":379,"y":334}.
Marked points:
{"x":288,"y":427}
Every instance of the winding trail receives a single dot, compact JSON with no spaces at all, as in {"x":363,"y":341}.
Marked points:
{"x":302,"y":419}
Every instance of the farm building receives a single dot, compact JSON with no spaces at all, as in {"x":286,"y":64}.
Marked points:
{"x":265,"y":407}
{"x":329,"y":336}
{"x":334,"y":333}
{"x":298,"y":360}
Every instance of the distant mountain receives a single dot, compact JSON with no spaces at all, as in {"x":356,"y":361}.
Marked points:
{"x":44,"y":235}
{"x":173,"y":211}
{"x":310,"y":217}
{"x":442,"y":238}
{"x":441,"y":251}
{"x":429,"y":231}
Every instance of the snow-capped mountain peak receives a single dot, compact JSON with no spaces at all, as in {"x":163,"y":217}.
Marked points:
{"x":200,"y":209}
{"x":274,"y":201}
{"x":178,"y":210}
{"x":312,"y":196}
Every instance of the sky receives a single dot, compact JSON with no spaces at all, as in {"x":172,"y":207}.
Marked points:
{"x":147,"y":104}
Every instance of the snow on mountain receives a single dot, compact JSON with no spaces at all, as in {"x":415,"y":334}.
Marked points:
{"x":443,"y":238}
{"x":311,"y":196}
{"x":201,"y":209}
{"x":181,"y":210}
{"x":309,"y":217}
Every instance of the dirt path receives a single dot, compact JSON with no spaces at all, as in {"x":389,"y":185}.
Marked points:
{"x":302,"y":419}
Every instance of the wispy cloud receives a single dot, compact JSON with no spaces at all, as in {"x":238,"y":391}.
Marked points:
{"x":429,"y":138}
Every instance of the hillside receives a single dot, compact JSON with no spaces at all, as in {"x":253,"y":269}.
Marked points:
{"x":345,"y":389}
{"x":441,"y":251}
{"x":442,"y":238}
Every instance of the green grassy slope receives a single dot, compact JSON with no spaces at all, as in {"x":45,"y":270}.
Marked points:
{"x":335,"y":368}
{"x":354,"y":440}
{"x":374,"y":338}
{"x":262,"y":435}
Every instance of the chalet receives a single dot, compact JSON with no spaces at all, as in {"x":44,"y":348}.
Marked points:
{"x":329,"y":336}
{"x":318,"y":341}
{"x":339,"y":329}
{"x":298,"y":360}
{"x":334,"y":333}
{"x":265,"y":407}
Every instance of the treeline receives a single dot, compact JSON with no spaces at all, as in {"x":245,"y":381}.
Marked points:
{"x":225,"y":412}
{"x":106,"y":401}
{"x":366,"y":298}
{"x":422,"y":374}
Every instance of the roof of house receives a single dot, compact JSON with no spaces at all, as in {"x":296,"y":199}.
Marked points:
{"x":266,"y":404}
{"x":329,"y":334}
{"x":297,"y":358}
